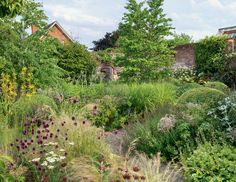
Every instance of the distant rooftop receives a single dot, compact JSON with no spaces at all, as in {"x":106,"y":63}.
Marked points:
{"x":227,"y":29}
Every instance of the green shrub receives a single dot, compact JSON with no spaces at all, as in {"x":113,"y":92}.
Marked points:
{"x":184,"y":87}
{"x":7,"y":174}
{"x":106,"y":114}
{"x":218,"y":86}
{"x":77,"y":61}
{"x":147,"y":97}
{"x":211,"y":163}
{"x":206,"y":96}
{"x":153,"y":137}
{"x":132,"y":99}
{"x":31,"y":105}
{"x":210,"y":55}
{"x":184,"y":74}
{"x":225,"y":115}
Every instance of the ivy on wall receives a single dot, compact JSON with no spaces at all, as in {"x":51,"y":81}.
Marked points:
{"x":213,"y":59}
{"x":210,"y":54}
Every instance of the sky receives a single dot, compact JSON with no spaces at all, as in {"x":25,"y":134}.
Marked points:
{"x":89,"y":20}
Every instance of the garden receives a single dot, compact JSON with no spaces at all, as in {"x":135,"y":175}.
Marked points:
{"x":59,"y":121}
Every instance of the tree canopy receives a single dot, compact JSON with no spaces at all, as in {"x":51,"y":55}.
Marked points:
{"x":108,"y":41}
{"x":10,"y":7}
{"x":143,"y":32}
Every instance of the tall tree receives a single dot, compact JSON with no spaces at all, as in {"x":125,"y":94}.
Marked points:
{"x":147,"y":55}
{"x":108,"y":41}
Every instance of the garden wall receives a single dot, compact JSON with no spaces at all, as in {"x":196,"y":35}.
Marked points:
{"x":184,"y":56}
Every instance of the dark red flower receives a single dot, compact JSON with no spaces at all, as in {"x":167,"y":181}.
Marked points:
{"x":136,"y":169}
{"x":143,"y":178}
{"x":127,"y":176}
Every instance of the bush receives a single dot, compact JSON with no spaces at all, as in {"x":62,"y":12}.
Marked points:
{"x":36,"y":104}
{"x":205,"y":96}
{"x":184,"y":74}
{"x":131,"y":100}
{"x":141,"y":98}
{"x":166,"y":135}
{"x":7,"y":174}
{"x":218,"y":86}
{"x":78,"y":62}
{"x":225,"y":115}
{"x":211,"y":163}
{"x":106,"y":114}
{"x":184,"y":87}
{"x":210,"y":55}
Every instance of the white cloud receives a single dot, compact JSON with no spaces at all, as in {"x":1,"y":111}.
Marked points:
{"x":216,"y":4}
{"x":89,"y":20}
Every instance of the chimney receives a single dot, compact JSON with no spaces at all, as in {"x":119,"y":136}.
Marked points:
{"x":34,"y":29}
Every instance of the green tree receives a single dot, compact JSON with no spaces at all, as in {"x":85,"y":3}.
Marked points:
{"x":10,"y":7}
{"x":31,"y":14}
{"x":37,"y":55}
{"x":77,"y":61}
{"x":147,"y":55}
{"x":108,"y":41}
{"x":180,"y":39}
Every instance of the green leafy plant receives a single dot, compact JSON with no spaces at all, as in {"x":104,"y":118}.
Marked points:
{"x":9,"y":8}
{"x":36,"y":104}
{"x":5,"y":173}
{"x":147,"y":55}
{"x":184,"y":74}
{"x":207,"y":96}
{"x":185,"y":87}
{"x":77,"y":61}
{"x":218,"y":85}
{"x":106,"y":114}
{"x":211,"y":163}
{"x":225,"y":114}
{"x":161,"y":134}
{"x":210,"y":54}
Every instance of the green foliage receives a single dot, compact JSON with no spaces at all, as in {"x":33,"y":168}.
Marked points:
{"x":184,"y":74}
{"x":147,"y":55}
{"x":225,"y":114}
{"x":218,"y":86}
{"x":38,"y":56}
{"x":210,"y":55}
{"x":109,"y":41}
{"x":211,"y":163}
{"x":213,"y":60}
{"x":180,"y":39}
{"x":153,"y":139}
{"x":126,"y":102}
{"x":107,"y":115}
{"x":10,"y":8}
{"x":184,"y":87}
{"x":35,"y":105}
{"x":147,"y":97}
{"x":203,"y":95}
{"x":77,"y":61}
{"x":4,"y":172}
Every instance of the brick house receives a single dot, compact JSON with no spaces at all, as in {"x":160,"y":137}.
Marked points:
{"x":231,"y":32}
{"x":55,"y":30}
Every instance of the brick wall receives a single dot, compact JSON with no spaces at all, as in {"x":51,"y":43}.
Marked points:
{"x":184,"y":56}
{"x":55,"y":32}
